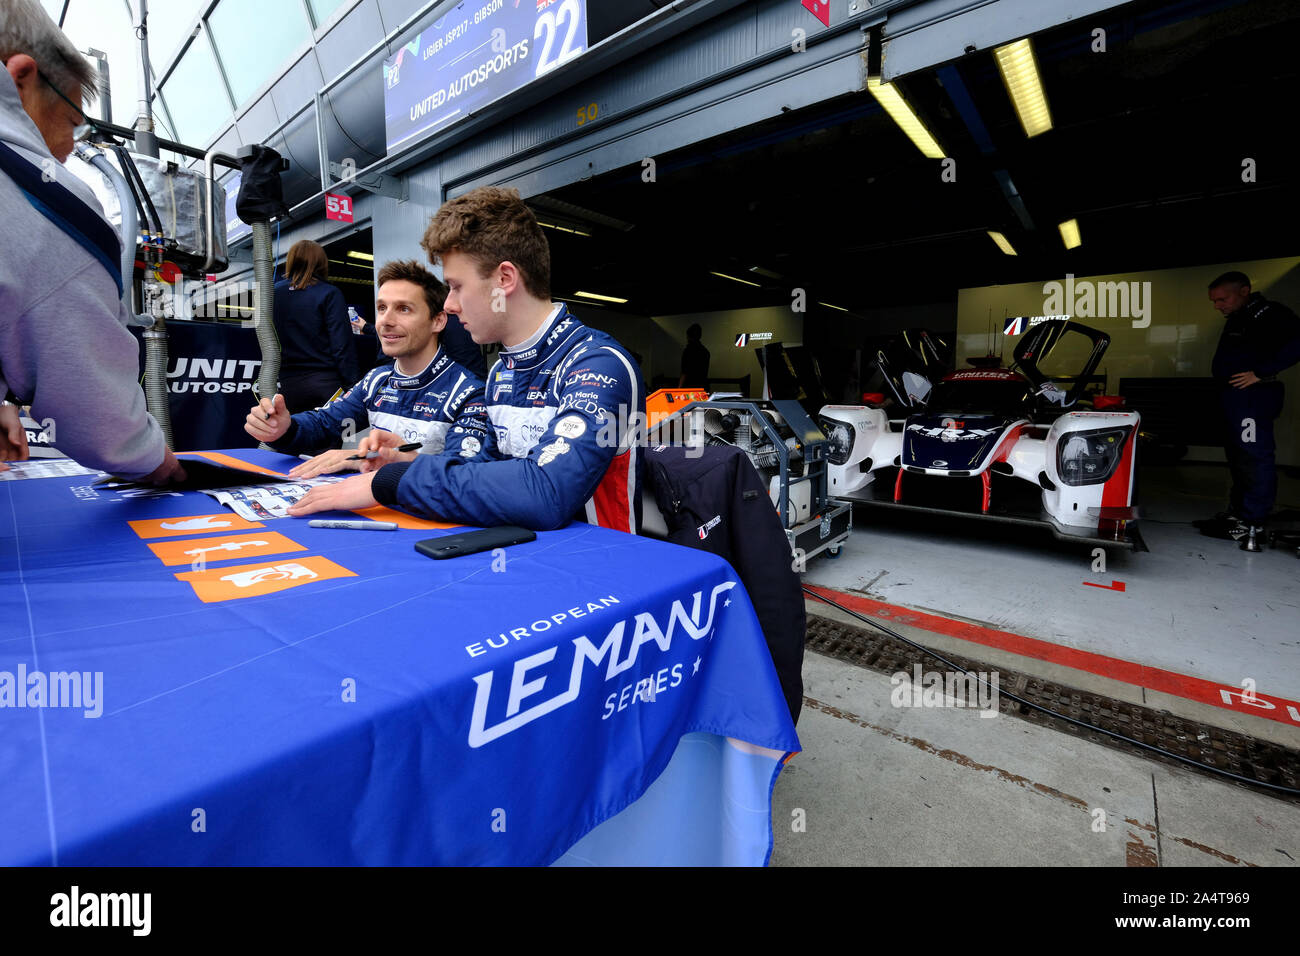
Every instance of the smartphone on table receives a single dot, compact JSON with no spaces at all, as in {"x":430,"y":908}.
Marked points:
{"x":472,"y":542}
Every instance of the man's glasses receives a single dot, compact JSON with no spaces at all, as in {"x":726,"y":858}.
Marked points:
{"x":85,"y":127}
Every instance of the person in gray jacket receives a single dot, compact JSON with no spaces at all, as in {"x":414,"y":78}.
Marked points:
{"x":64,"y":346}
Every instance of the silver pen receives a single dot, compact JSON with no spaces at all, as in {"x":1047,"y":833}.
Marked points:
{"x":354,"y":525}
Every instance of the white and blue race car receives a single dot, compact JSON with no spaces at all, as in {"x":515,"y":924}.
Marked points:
{"x":1007,"y":444}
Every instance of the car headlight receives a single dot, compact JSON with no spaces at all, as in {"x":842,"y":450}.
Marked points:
{"x":840,"y":436}
{"x":1090,"y":457}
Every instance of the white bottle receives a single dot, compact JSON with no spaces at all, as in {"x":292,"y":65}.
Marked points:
{"x":355,"y":320}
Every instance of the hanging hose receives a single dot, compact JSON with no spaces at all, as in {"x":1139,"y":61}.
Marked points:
{"x":155,"y":336}
{"x":268,"y":378}
{"x":153,"y":221}
{"x":260,"y":200}
{"x":155,"y":377}
{"x":130,"y":224}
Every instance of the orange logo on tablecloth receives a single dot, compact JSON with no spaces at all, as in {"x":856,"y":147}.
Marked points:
{"x":267,"y":577}
{"x":231,"y":462}
{"x":250,"y":545}
{"x":403,"y":520}
{"x":227,"y":521}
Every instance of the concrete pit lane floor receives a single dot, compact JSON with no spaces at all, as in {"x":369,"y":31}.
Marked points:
{"x":879,"y":784}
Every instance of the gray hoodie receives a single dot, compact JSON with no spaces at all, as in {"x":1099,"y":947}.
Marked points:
{"x":63,"y":345}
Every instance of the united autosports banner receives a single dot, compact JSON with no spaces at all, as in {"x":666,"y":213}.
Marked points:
{"x":473,"y":55}
{"x":211,"y":368}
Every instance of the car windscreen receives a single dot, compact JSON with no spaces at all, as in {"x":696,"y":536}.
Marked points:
{"x":1009,"y":398}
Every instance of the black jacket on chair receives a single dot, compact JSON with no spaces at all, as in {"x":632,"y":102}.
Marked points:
{"x":713,"y":499}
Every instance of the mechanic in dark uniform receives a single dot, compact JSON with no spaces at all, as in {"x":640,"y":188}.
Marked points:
{"x":695,"y":360}
{"x":1259,"y":339}
{"x":317,"y":357}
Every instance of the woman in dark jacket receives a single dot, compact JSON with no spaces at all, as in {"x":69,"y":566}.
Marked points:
{"x":317,"y":356}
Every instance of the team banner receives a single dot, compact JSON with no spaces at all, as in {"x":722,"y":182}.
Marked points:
{"x":473,"y":55}
{"x":211,"y":368}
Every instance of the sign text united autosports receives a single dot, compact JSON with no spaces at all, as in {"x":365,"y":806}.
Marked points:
{"x":480,"y":51}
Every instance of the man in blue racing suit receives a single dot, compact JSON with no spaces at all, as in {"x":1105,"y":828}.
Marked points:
{"x":418,"y":397}
{"x":567,"y":403}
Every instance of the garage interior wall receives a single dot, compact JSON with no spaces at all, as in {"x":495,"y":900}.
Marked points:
{"x":718,"y":331}
{"x":659,"y":340}
{"x":636,"y":333}
{"x":1179,"y":342}
{"x":824,"y":331}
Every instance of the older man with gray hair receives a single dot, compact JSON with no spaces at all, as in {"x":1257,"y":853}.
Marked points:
{"x":64,"y":346}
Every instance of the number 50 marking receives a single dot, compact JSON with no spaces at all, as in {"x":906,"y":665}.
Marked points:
{"x":550,"y":21}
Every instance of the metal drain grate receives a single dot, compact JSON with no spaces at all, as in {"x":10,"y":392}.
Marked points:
{"x":1208,"y":746}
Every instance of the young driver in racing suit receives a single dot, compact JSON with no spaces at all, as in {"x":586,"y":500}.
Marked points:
{"x":416,"y":398}
{"x":566,"y":402}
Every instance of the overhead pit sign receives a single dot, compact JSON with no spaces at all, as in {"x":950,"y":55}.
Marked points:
{"x":475,"y":54}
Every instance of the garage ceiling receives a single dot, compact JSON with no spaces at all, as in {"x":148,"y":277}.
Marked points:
{"x":1147,"y":152}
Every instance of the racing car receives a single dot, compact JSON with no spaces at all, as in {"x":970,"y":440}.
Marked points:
{"x":1003,"y":443}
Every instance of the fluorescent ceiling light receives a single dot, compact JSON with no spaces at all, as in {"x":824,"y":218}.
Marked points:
{"x":1001,"y":240}
{"x":558,"y":228}
{"x":902,"y":114}
{"x":600,"y":298}
{"x":723,"y":275}
{"x":766,"y":273}
{"x":577,"y":215}
{"x":837,"y":307}
{"x":1020,"y":73}
{"x":1070,"y":233}
{"x":362,"y":255}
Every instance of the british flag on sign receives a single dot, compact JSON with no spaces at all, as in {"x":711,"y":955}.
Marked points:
{"x":821,"y":9}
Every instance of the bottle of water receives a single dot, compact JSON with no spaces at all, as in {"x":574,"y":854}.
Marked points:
{"x":355,"y":320}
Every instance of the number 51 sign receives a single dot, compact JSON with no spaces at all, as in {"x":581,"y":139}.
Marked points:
{"x":338,"y":207}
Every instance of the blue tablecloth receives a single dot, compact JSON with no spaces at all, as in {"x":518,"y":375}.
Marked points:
{"x":382,"y":708}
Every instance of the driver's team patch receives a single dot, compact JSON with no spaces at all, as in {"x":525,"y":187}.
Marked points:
{"x":264,"y":577}
{"x":570,"y":427}
{"x":470,"y":446}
